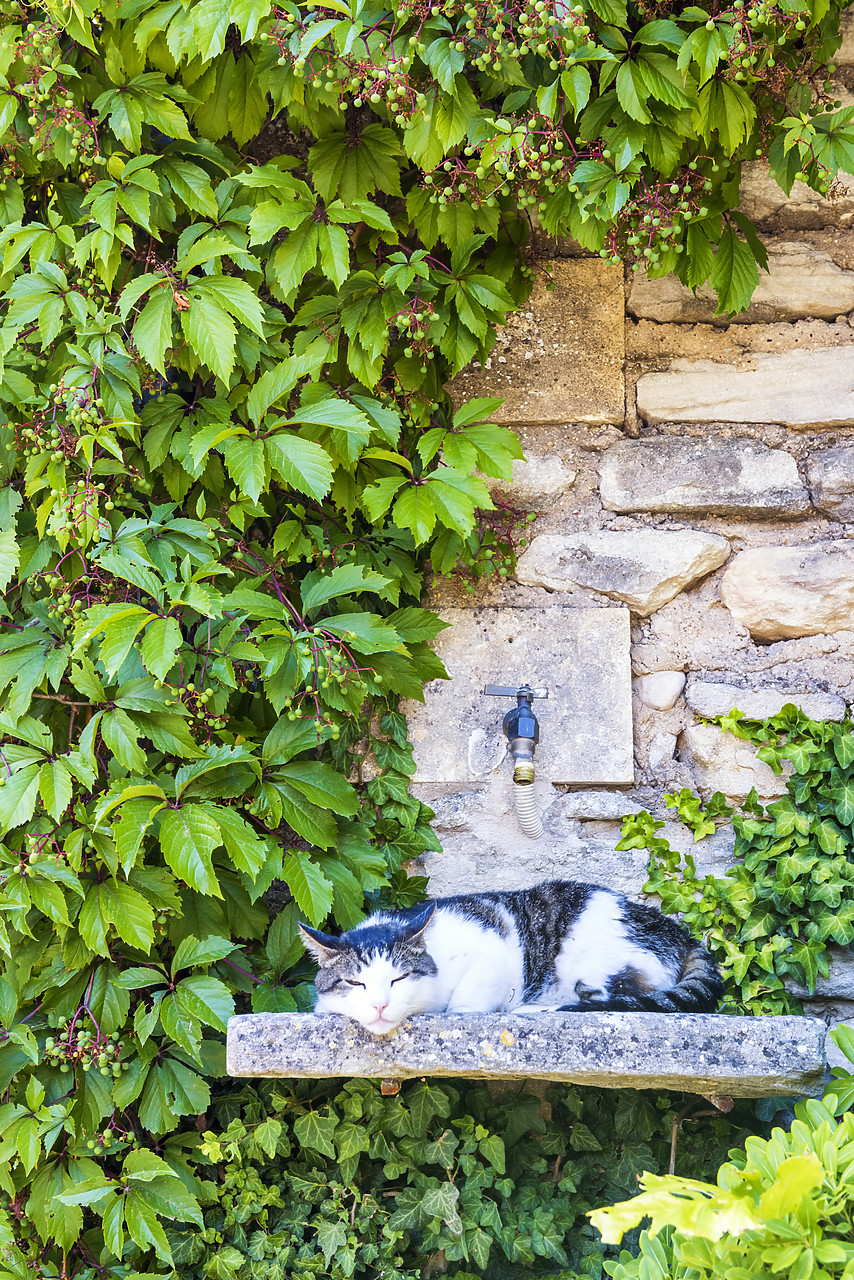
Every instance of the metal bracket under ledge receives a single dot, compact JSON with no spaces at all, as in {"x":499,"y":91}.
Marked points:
{"x":698,"y":1053}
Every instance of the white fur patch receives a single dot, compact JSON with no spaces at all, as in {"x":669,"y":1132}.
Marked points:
{"x":596,"y":948}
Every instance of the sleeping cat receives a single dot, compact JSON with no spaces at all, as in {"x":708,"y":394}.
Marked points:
{"x":559,"y":945}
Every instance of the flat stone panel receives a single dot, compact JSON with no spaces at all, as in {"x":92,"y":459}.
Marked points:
{"x":712,"y":1054}
{"x":580,"y":655}
{"x":799,"y":389}
{"x":709,"y":700}
{"x":800,"y":282}
{"x":559,"y":359}
{"x":643,"y":568}
{"x":702,"y":477}
{"x":780,"y":593}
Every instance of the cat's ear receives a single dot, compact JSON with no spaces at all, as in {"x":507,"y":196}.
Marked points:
{"x":323,"y":946}
{"x":416,"y":927}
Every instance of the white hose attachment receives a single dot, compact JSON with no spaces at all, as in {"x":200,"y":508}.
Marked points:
{"x":526,"y":803}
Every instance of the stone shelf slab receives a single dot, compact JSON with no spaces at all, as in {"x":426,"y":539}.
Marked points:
{"x":708,"y":1054}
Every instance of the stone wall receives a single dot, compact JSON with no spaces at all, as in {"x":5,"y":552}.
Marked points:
{"x":694,"y":488}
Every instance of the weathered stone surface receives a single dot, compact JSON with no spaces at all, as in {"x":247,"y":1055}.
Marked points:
{"x":763,"y":201}
{"x":661,"y":689}
{"x":801,"y":282}
{"x":537,"y":481}
{"x":596,"y":805}
{"x":830,"y":474}
{"x":661,"y":751}
{"x":742,"y":1057}
{"x":580,"y":655}
{"x":709,"y":700}
{"x":779,"y":593}
{"x":644,"y":568}
{"x":560,"y":359}
{"x":700,"y":477}
{"x":721,"y":762}
{"x":798,"y":389}
{"x":482,"y":847}
{"x":844,"y":56}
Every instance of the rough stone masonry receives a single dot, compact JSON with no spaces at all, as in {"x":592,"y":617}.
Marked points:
{"x":693,"y":480}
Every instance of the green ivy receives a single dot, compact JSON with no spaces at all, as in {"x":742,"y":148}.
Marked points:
{"x":770,"y":919}
{"x":336,"y":1180}
{"x":782,"y":1205}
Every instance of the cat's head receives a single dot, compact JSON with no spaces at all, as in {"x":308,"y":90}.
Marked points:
{"x":379,"y":974}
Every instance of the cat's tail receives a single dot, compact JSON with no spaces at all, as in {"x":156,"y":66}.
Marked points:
{"x":698,"y":990}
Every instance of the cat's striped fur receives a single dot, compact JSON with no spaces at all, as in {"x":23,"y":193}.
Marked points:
{"x":559,"y":945}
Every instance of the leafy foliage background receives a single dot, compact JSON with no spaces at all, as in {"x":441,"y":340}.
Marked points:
{"x":227,"y":460}
{"x":771,"y":919}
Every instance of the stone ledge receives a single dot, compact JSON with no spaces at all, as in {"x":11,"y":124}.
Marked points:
{"x":710,"y":1054}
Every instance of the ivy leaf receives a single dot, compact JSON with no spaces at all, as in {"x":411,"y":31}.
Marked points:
{"x":316,"y":1132}
{"x":210,"y":331}
{"x":55,"y":787}
{"x":301,"y":464}
{"x":188,"y":837}
{"x":9,"y":557}
{"x":321,"y":784}
{"x":152,"y":332}
{"x":207,"y":999}
{"x":112,"y":903}
{"x":734,"y":275}
{"x":311,"y":890}
{"x":160,"y":645}
{"x":344,"y":580}
{"x":192,"y":953}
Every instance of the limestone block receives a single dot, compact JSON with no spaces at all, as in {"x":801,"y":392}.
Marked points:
{"x":724,"y":763}
{"x":779,"y":593}
{"x":762,"y":200}
{"x":801,"y":282}
{"x":830,"y":474}
{"x":477,"y":861}
{"x":741,"y":1057}
{"x":710,"y":700}
{"x":699,"y":477}
{"x":661,"y":751}
{"x":561,"y":358}
{"x":644,"y":568}
{"x":596,"y":806}
{"x":537,"y":482}
{"x":661,"y":689}
{"x":580,"y":655}
{"x":800,"y":389}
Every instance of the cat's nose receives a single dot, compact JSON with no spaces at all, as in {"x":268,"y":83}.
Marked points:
{"x":381,"y":1008}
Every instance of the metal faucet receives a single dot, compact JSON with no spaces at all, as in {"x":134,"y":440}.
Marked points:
{"x":520,"y":726}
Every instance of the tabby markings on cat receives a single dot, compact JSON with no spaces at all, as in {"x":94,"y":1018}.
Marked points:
{"x":560,"y":945}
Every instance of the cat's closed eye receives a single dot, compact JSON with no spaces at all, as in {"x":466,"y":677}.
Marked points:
{"x":401,"y":978}
{"x":353,"y":983}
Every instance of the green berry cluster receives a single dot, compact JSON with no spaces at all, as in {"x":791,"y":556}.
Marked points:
{"x":59,"y":128}
{"x":524,"y":160}
{"x":494,"y":544}
{"x":195,"y":698}
{"x":65,"y":600}
{"x":110,"y":1142}
{"x":654,"y":221}
{"x":81,"y":1044}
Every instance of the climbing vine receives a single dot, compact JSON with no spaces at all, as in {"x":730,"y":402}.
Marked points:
{"x":244,"y":249}
{"x":790,"y":893}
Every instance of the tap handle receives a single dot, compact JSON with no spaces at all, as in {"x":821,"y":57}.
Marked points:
{"x":507,"y":691}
